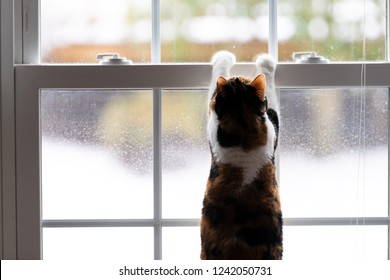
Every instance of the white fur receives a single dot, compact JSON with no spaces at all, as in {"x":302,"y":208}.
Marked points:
{"x":266,"y":64}
{"x":251,"y":162}
{"x":222,"y":62}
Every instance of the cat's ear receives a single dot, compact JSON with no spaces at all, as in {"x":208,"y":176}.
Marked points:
{"x":221,"y":81}
{"x":259,"y":84}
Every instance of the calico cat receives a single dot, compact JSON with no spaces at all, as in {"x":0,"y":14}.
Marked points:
{"x":241,"y":215}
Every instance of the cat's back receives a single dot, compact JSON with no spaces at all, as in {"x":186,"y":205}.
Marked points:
{"x":241,"y":216}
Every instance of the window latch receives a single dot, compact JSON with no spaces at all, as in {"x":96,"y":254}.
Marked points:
{"x":308,"y":57}
{"x":112,"y":59}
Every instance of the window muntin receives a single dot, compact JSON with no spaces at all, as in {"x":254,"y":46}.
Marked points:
{"x":333,"y":152}
{"x":96,"y":154}
{"x":340,"y":30}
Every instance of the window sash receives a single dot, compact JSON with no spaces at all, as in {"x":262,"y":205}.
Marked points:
{"x":29,"y":79}
{"x":198,"y":75}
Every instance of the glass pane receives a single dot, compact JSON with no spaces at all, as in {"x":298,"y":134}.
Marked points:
{"x":185,"y":151}
{"x":335,"y":29}
{"x":194,"y":30}
{"x":74,"y":31}
{"x":333,"y":152}
{"x":300,"y":243}
{"x":335,"y":243}
{"x":96,"y":244}
{"x":181,"y":243}
{"x":96,"y":154}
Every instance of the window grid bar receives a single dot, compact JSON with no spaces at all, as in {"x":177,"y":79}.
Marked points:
{"x":388,"y":158}
{"x":387,"y":30}
{"x":157,"y":173}
{"x":157,"y":138}
{"x":342,"y":221}
{"x":156,"y":34}
{"x":273,"y":28}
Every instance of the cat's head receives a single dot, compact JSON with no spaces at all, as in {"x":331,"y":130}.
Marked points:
{"x":240,"y":105}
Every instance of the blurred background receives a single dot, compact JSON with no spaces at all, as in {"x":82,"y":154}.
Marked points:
{"x":74,"y":31}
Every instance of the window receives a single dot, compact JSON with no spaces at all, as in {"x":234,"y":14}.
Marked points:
{"x":334,"y":151}
{"x":330,"y":29}
{"x":100,"y":144}
{"x":121,"y":152}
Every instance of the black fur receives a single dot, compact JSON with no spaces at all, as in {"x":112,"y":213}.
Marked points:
{"x":226,"y":139}
{"x":273,"y":117}
{"x":255,"y":236}
{"x":214,"y":213}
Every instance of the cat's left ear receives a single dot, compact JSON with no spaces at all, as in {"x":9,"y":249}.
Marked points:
{"x":259,"y":84}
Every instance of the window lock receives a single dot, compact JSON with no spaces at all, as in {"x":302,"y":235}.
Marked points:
{"x":308,"y":57}
{"x":112,"y":59}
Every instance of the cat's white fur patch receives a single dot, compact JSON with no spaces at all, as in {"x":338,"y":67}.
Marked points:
{"x":222,"y":61}
{"x":266,"y":64}
{"x":250,"y":162}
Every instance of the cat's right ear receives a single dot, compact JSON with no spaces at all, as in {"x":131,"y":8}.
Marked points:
{"x":221,"y":81}
{"x":259,"y":84}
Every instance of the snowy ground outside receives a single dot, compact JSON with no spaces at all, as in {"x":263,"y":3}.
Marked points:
{"x":80,"y":182}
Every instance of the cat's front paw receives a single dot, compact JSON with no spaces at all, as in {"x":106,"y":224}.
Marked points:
{"x":265,"y":63}
{"x":223,"y":60}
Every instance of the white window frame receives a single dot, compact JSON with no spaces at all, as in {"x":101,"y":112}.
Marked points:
{"x":20,"y":164}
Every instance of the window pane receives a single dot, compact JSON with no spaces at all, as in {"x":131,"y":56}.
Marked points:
{"x":300,"y":243}
{"x":74,"y":31}
{"x":194,"y":30}
{"x":333,"y":28}
{"x":96,"y":154}
{"x":333,"y":152}
{"x":181,"y":243}
{"x":94,"y":244}
{"x":335,"y":243}
{"x":186,"y":153}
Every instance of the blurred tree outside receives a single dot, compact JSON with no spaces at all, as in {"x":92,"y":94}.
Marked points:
{"x":193,"y":30}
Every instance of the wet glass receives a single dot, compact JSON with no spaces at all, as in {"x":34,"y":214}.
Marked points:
{"x":185,"y":152}
{"x":96,"y":154}
{"x":334,"y":152}
{"x":192,"y":31}
{"x":340,"y":30}
{"x":75,"y":31}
